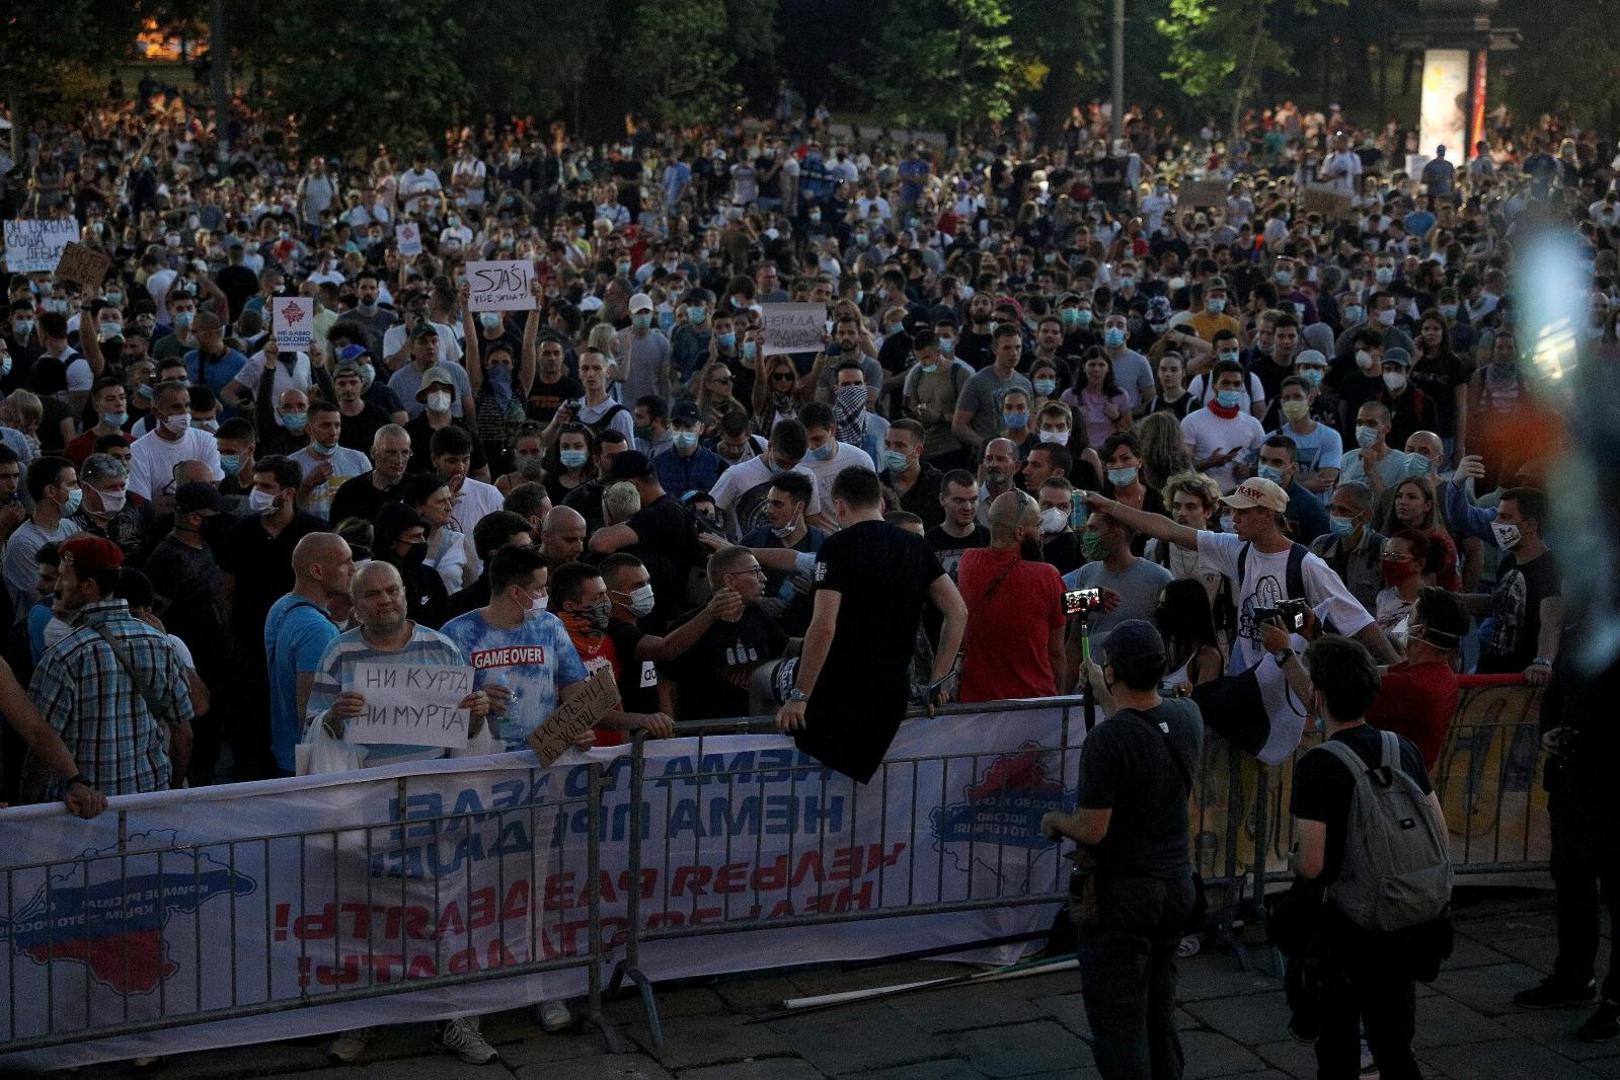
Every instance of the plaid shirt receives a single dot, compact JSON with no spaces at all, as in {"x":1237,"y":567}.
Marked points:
{"x":89,"y":698}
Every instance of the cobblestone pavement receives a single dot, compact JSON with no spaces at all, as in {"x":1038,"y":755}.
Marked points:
{"x":1468,"y":1028}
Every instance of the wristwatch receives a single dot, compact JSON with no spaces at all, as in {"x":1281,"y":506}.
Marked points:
{"x":797,"y":695}
{"x":1282,"y":656}
{"x":1541,"y":661}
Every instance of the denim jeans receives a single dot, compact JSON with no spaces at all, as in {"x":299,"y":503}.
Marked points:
{"x":1128,"y":975}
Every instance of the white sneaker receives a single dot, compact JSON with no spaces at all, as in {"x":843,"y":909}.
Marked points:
{"x":351,"y":1046}
{"x":461,"y":1038}
{"x":554,"y":1016}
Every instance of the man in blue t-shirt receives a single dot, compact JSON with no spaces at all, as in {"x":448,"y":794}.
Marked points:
{"x":524,"y":659}
{"x":297,"y":631}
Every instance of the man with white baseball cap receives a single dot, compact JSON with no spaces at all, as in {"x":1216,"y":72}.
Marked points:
{"x":1265,"y":565}
{"x":642,"y":353}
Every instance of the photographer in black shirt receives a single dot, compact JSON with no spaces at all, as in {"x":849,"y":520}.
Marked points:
{"x":1132,"y":887}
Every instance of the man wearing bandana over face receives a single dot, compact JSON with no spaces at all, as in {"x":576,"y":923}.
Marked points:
{"x":1013,"y":647}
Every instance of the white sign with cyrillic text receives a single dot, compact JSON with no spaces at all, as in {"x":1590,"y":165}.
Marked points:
{"x":410,"y":705}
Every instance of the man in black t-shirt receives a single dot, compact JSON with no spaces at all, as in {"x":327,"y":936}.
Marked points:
{"x":661,"y":534}
{"x":631,"y":590}
{"x":851,"y":687}
{"x":1133,"y":887}
{"x":1366,"y":975}
{"x":1526,"y":607}
{"x":714,"y":676}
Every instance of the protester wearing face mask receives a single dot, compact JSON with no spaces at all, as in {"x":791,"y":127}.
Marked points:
{"x":1130,"y":585}
{"x":1406,"y":558}
{"x":1222,"y":432}
{"x":53,"y":485}
{"x":1526,"y":608}
{"x":640,"y":653}
{"x":105,"y":509}
{"x":1374,"y":462}
{"x":1278,"y":462}
{"x":787,"y":594}
{"x":1410,"y":408}
{"x":1013,"y":646}
{"x":1351,"y":546}
{"x":1060,"y":544}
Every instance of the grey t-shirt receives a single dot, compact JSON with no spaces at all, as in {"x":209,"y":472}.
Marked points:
{"x":981,"y":396}
{"x":1138,"y":587}
{"x":1134,"y":375}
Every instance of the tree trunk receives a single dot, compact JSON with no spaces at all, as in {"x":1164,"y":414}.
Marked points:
{"x":1062,"y":92}
{"x":1243,"y":83}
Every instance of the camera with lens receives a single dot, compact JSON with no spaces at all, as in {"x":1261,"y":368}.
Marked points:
{"x":1290,"y":614}
{"x":1082,"y":601}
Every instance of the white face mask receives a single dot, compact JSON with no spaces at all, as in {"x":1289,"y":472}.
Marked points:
{"x":261,"y":502}
{"x":438,"y":402}
{"x":112,"y":501}
{"x":1053,"y":521}
{"x":1395,"y":380}
{"x":1054,"y":438}
{"x":1507,"y":536}
{"x":641,"y":601}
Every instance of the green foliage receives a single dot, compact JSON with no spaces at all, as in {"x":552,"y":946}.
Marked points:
{"x":677,"y":60}
{"x":366,"y":72}
{"x":941,"y":63}
{"x":536,"y":78}
{"x":1575,"y":38}
{"x":45,"y":50}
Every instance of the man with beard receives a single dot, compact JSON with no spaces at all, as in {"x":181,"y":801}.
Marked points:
{"x":1014,"y":598}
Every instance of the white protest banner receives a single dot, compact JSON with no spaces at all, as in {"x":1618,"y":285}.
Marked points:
{"x":409,"y":235}
{"x":501,"y":285}
{"x":794,"y":328}
{"x":411,"y":705}
{"x":386,"y":889}
{"x":33,"y":245}
{"x":293,"y":320}
{"x":575,"y":716}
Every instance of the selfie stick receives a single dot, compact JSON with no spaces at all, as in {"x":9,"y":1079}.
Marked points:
{"x":1090,"y":707}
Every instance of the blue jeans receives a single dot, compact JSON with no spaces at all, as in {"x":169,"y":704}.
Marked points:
{"x":1128,"y":975}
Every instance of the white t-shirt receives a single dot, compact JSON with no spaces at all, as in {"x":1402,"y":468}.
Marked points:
{"x":153,"y":458}
{"x":1205,"y":433}
{"x":1341,"y":170}
{"x":1265,"y":582}
{"x":449,"y":347}
{"x":299,"y":378}
{"x":1202,"y":388}
{"x":346,"y":465}
{"x":473,"y":502}
{"x":740,"y":492}
{"x":826,"y":471}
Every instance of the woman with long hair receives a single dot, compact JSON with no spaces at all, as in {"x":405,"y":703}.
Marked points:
{"x":570,"y":461}
{"x":1415,"y":505}
{"x":1162,"y":450}
{"x":714,"y":399}
{"x":1408,"y":557}
{"x":1098,"y":402}
{"x":775,"y":392}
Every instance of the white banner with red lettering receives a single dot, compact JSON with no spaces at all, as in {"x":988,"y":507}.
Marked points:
{"x":267,"y":896}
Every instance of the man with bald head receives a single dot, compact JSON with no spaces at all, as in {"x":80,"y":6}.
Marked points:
{"x":212,"y":363}
{"x":562,"y":536}
{"x":364,"y":495}
{"x":1430,"y":447}
{"x":298,"y":629}
{"x":996,"y":474}
{"x":1015,"y":607}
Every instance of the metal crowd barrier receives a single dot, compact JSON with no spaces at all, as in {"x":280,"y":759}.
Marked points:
{"x":1240,"y":829}
{"x":353,"y":942}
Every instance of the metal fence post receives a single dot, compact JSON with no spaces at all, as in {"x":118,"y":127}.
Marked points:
{"x":630,"y":966}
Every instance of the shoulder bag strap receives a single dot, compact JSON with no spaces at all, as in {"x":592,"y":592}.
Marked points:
{"x":990,"y":591}
{"x":121,"y":651}
{"x":1181,"y":766}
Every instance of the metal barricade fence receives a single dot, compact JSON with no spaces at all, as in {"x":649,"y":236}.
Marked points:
{"x":125,"y":941}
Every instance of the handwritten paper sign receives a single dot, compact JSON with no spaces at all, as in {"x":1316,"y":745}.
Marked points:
{"x":409,"y":235}
{"x":411,"y":705}
{"x":500,"y":286}
{"x":292,"y":318}
{"x":793,"y":328}
{"x":1194,"y":193}
{"x":36,"y":245}
{"x":83,"y":266}
{"x":575,"y":716}
{"x":1329,"y":202}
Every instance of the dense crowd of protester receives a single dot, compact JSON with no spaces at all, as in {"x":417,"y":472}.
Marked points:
{"x":1056,"y":400}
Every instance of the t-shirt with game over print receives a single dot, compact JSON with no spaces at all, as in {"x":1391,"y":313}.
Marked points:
{"x":535,"y":661}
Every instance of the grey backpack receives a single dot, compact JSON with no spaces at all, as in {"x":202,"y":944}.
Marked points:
{"x":1396,"y":869}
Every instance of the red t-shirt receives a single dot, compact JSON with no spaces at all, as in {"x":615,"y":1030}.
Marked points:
{"x":1417,"y":701}
{"x":595,"y":651}
{"x":1005,"y":646}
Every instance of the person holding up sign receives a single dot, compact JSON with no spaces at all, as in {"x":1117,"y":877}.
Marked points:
{"x":384,"y":636}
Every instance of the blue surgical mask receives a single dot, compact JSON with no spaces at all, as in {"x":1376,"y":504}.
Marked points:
{"x":1312,"y":376}
{"x":1113,"y":337}
{"x":1122,"y":477}
{"x":685,"y":440}
{"x":824,"y":452}
{"x":1449,"y":310}
{"x":895,"y":461}
{"x":1354,"y":313}
{"x":726,"y":341}
{"x":1284,"y":277}
{"x":294,"y":421}
{"x":1045,"y":386}
{"x":1216,"y":305}
{"x":1229,"y":399}
{"x":1269,"y":472}
{"x":114,"y":419}
{"x":1366,"y":436}
{"x":695,"y":314}
{"x":323,"y":451}
{"x":1015,"y":421}
{"x":230,"y":464}
{"x":1340,"y":526}
{"x":947,"y":347}
{"x":1229,"y":355}
{"x":572,"y":459}
{"x":74,"y":499}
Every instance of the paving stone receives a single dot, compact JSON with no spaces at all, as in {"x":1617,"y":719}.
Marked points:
{"x":1220,"y":977}
{"x":1468,"y":953}
{"x":1511,"y":927}
{"x":965,"y":1008}
{"x":1537,"y":952}
{"x":1554,"y":1029}
{"x":1065,"y":1074}
{"x":1290,"y":1057}
{"x":1021,"y":1049}
{"x":858,"y":1037}
{"x":1209,"y":1054}
{"x":937,"y":1069}
{"x":834,"y":980}
{"x":1068,"y":1010}
{"x":227,"y":1063}
{"x":1442,"y":1021}
{"x":1507,"y":1060}
{"x":712,"y":1040}
{"x":440,"y":1067}
{"x":756,"y":994}
{"x":1606,"y":1067}
{"x":1250,"y":1020}
{"x":1488,"y":990}
{"x":767,"y":1069}
{"x":539,"y":1048}
{"x":1038,"y":986}
{"x":606,"y":1067}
